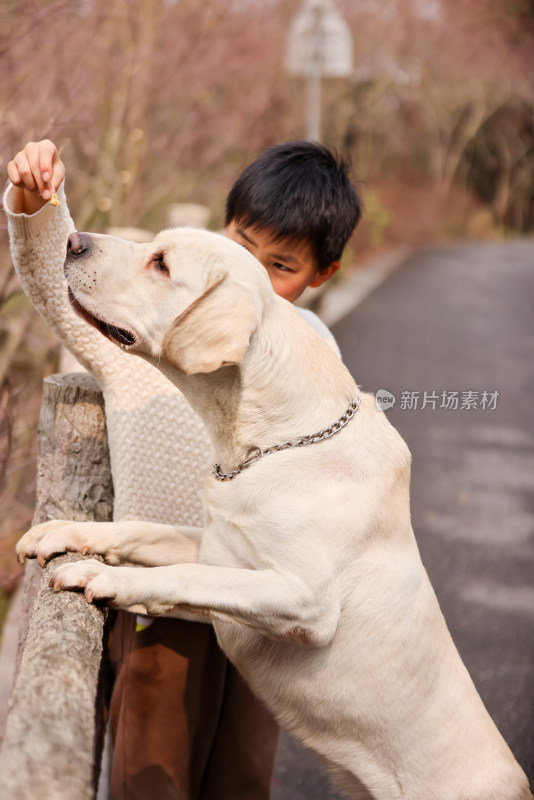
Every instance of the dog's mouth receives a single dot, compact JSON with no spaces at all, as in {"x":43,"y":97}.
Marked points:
{"x":120,"y":336}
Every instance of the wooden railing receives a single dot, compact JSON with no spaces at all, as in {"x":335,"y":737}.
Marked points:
{"x":54,"y":730}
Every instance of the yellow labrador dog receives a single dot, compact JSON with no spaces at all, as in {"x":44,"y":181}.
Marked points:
{"x":307,"y":564}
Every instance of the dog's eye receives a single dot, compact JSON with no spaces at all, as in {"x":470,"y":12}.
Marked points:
{"x":160,"y":265}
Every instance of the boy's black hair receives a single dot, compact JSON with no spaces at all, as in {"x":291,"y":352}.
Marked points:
{"x":302,"y":192}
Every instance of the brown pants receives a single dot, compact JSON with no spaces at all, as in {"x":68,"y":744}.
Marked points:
{"x":185,"y":725}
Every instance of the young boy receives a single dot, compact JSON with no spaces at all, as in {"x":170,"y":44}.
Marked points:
{"x":184,"y":723}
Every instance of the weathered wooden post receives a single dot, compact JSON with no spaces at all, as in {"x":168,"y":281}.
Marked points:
{"x":52,"y":741}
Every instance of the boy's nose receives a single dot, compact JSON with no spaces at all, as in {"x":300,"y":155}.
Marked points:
{"x":77,"y":244}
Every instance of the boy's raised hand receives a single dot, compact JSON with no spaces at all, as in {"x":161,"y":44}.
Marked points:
{"x":39,"y":171}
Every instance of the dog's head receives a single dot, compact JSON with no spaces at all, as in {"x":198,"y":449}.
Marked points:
{"x":191,"y":297}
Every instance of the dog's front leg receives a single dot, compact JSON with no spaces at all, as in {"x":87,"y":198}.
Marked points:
{"x":278,"y":604}
{"x":126,"y":542}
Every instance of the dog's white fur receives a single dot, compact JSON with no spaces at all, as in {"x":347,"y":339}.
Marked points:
{"x":307,"y":564}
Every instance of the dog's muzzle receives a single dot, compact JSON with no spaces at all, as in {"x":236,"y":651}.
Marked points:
{"x":78,"y":246}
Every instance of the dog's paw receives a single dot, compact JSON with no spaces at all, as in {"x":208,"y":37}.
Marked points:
{"x":50,"y":539}
{"x":98,"y":581}
{"x":78,"y":575}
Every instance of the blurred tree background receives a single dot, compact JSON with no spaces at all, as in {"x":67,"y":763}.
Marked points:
{"x":155,"y":102}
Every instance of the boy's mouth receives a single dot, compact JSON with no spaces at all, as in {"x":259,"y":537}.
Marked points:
{"x":120,"y":336}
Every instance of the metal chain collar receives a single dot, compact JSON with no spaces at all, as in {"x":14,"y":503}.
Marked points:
{"x":326,"y":433}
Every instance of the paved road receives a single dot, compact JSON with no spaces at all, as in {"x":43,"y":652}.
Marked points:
{"x":460,"y":319}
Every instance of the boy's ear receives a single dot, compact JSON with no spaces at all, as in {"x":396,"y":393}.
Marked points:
{"x":325,"y":274}
{"x":214,"y":331}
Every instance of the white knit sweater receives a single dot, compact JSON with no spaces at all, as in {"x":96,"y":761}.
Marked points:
{"x":159,"y":447}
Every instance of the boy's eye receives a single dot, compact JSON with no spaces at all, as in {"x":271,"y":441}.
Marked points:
{"x":281,"y":267}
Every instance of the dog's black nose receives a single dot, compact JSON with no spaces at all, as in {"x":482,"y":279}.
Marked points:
{"x":77,"y":244}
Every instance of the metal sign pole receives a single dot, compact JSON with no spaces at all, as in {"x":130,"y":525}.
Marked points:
{"x":313,"y":109}
{"x":319,"y":46}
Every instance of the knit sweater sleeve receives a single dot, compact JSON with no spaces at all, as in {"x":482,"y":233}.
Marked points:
{"x":38,"y":246}
{"x":159,"y":448}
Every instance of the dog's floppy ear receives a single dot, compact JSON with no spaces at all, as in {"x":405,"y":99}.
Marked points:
{"x":215,"y":330}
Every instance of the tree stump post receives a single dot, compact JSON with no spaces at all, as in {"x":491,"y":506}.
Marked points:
{"x":53,"y":736}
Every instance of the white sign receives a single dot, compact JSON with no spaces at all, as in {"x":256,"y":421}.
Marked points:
{"x":319,"y":42}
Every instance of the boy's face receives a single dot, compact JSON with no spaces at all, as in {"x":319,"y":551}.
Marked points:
{"x":291,"y":265}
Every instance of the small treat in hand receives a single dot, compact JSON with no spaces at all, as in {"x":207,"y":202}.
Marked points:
{"x":54,"y":200}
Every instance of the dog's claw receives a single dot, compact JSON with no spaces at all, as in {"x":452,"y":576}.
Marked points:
{"x":85,"y":549}
{"x":89,"y":595}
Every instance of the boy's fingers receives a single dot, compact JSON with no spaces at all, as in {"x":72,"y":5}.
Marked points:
{"x":13,"y":173}
{"x":58,"y":175}
{"x":26,"y":178}
{"x":52,"y":168}
{"x":35,"y":166}
{"x":47,"y":158}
